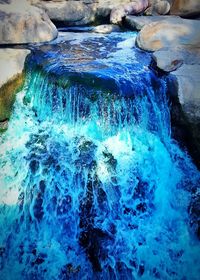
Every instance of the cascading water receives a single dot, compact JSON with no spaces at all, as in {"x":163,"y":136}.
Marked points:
{"x":92,"y":185}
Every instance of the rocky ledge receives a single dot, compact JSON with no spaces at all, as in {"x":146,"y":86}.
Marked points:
{"x":11,"y":80}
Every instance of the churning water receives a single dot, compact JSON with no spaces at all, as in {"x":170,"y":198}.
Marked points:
{"x":91,"y":184}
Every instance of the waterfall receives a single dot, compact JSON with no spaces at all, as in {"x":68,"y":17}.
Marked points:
{"x":92,"y":186}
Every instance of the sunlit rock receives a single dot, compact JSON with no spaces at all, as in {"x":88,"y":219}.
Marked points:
{"x":168,"y":33}
{"x":105,"y":7}
{"x":138,"y":22}
{"x":69,"y":12}
{"x":119,"y":12}
{"x":106,"y":28}
{"x":22,"y":23}
{"x":170,"y":59}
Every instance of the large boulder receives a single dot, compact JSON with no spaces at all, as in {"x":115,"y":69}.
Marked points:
{"x":168,"y":33}
{"x":132,"y":8}
{"x":170,"y":59}
{"x":82,"y":12}
{"x":69,"y":13}
{"x":138,"y":22}
{"x":185,"y":8}
{"x":105,"y":7}
{"x":11,"y":79}
{"x":23,"y":23}
{"x":158,"y":7}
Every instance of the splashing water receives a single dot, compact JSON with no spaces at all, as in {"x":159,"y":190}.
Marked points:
{"x":91,"y":184}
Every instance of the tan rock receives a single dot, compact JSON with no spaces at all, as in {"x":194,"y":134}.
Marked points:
{"x":71,"y":13}
{"x":106,"y":28}
{"x":158,"y":7}
{"x":138,"y":22}
{"x":171,"y":59}
{"x":168,"y":33}
{"x":185,"y":7}
{"x":135,"y":7}
{"x":162,"y":7}
{"x":189,"y":91}
{"x":11,"y":63}
{"x":105,"y":7}
{"x":22,"y":23}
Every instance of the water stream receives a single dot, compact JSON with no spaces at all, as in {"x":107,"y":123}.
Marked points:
{"x":92,"y":186}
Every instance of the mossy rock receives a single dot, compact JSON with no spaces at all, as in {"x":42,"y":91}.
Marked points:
{"x":8,"y":94}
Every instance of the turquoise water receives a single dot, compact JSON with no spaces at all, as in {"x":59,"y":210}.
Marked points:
{"x":92,"y":186}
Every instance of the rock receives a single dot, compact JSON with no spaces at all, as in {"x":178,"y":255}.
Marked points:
{"x":135,"y":7}
{"x":11,"y":78}
{"x":105,"y":7}
{"x":185,"y":8}
{"x":12,"y":63}
{"x":188,"y":91}
{"x":5,"y":1}
{"x":138,"y":22}
{"x":22,"y":23}
{"x":3,"y":125}
{"x":158,"y":7}
{"x":168,"y":33}
{"x":167,"y":60}
{"x":70,"y":13}
{"x":162,"y":7}
{"x":171,"y":59}
{"x":188,"y":98}
{"x":106,"y":28}
{"x":81,"y":12}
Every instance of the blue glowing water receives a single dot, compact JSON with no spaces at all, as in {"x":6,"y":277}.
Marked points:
{"x":91,"y":184}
